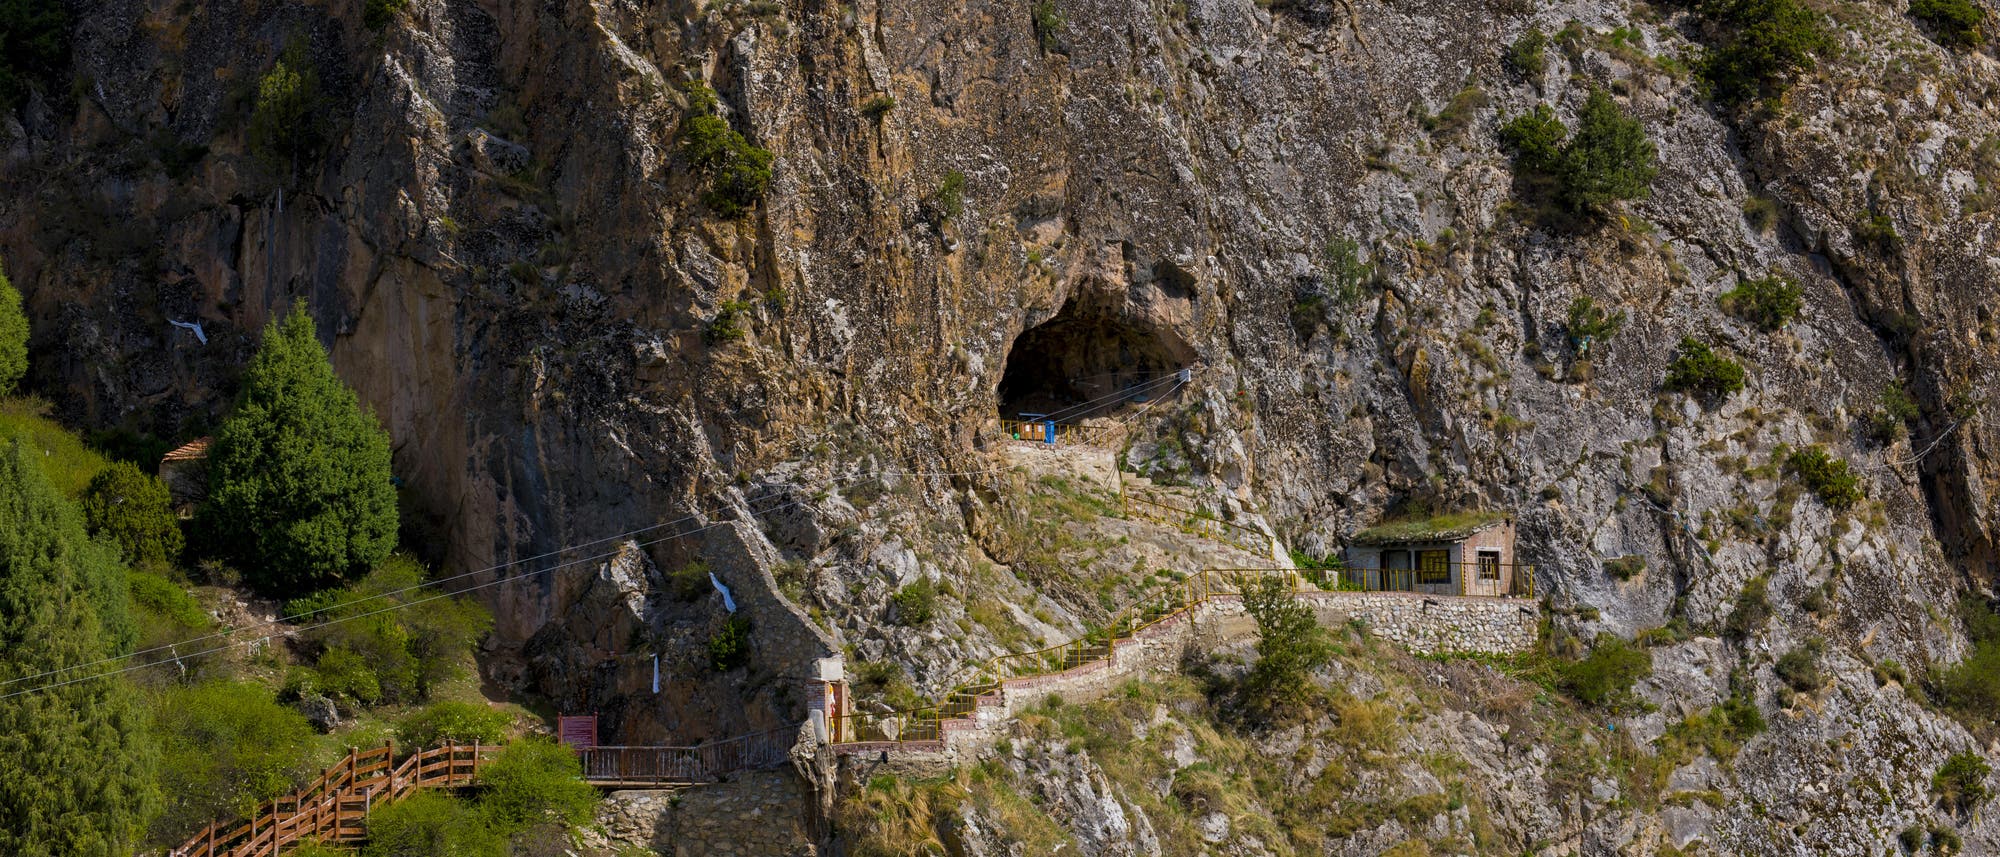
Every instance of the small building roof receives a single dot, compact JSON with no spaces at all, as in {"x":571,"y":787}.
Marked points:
{"x":1441,"y":528}
{"x":194,"y":450}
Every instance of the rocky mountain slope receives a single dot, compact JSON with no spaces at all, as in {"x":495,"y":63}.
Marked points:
{"x":511,"y":250}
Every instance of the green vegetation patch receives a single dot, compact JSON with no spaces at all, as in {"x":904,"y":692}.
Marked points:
{"x":738,"y":172}
{"x":1761,"y":44}
{"x":1698,"y":370}
{"x":1609,"y":159}
{"x":1604,"y":678}
{"x":375,"y":656}
{"x":1829,"y":478}
{"x":13,"y":336}
{"x":1957,"y":23}
{"x":1768,"y":302}
{"x":1960,"y":783}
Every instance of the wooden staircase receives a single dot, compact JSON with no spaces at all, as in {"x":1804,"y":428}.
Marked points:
{"x":335,"y":806}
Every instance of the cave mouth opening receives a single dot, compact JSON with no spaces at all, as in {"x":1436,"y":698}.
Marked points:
{"x":1086,"y":363}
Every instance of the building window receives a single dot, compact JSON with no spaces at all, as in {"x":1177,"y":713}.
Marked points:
{"x":1433,"y":566}
{"x":1489,"y":565}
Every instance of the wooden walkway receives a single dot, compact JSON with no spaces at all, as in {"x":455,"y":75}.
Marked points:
{"x":334,"y":807}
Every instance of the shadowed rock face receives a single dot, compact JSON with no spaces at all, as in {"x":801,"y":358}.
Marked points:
{"x":512,"y":263}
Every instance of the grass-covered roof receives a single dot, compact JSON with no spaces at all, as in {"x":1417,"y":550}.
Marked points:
{"x":1439,"y":528}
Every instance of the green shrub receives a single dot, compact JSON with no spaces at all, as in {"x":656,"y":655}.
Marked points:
{"x":1290,"y":645}
{"x":535,"y":781}
{"x":286,"y":125}
{"x":1750,"y":611}
{"x":1799,"y":668}
{"x":1961,"y":782}
{"x":1697,"y":370}
{"x":728,"y":324}
{"x":1609,"y":158}
{"x":1769,"y":302}
{"x":951,"y":195}
{"x":690,"y":582}
{"x":1589,"y":322}
{"x":224,"y":746}
{"x":13,"y":322}
{"x":1764,"y":42}
{"x":916,"y":604}
{"x":1605,"y":677}
{"x":1457,"y":114}
{"x":1048,"y":24}
{"x":132,"y":509}
{"x":1887,"y":423}
{"x":1536,"y":138}
{"x":378,"y":14}
{"x":393,"y":656}
{"x":34,"y":49}
{"x":1625,"y":567}
{"x":453,"y":721}
{"x":738,"y":172}
{"x":1971,"y":688}
{"x":1957,"y":23}
{"x":1528,"y":56}
{"x":1827,"y":477}
{"x":1879,"y":231}
{"x":431,"y":824}
{"x":729,"y":649}
{"x":878,"y":107}
{"x":155,"y":595}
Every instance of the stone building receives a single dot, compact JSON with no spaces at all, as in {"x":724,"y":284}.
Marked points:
{"x":1469,"y":553}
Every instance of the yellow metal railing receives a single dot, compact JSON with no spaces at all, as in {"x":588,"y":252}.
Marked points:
{"x":1456,"y":578}
{"x":1169,"y":601}
{"x":926,"y":723}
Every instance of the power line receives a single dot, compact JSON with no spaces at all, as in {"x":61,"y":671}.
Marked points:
{"x":230,"y":632}
{"x":1100,"y":401}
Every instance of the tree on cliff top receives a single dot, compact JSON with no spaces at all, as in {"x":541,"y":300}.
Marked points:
{"x":76,"y":764}
{"x":299,"y":490}
{"x":13,"y":337}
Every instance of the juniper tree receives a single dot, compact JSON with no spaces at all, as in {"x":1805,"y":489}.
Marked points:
{"x":76,"y":764}
{"x":299,"y":490}
{"x":133,"y":509}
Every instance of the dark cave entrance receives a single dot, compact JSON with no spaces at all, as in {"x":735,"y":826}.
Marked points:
{"x":1089,"y":362}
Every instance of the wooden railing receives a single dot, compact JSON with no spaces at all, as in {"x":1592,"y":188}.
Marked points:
{"x":334,"y":807}
{"x":648,"y":766}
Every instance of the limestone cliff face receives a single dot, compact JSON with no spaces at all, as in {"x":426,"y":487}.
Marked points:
{"x":513,"y":264}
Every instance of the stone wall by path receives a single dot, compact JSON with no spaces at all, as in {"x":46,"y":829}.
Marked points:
{"x":1428,"y":624}
{"x":755,"y":814}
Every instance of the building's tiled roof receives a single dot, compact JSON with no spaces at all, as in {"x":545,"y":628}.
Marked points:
{"x":194,"y":450}
{"x":1442,"y":528}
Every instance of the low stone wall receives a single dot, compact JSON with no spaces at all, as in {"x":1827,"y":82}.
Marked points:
{"x":1434,"y":624}
{"x":755,"y":814}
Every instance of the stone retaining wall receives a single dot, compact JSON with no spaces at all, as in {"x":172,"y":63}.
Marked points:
{"x":1428,"y":624}
{"x":754,"y":814}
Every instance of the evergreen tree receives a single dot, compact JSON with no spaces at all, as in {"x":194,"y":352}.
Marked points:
{"x":13,"y":337}
{"x":76,"y":763}
{"x":299,"y":491}
{"x":1609,"y":159}
{"x":133,"y":509}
